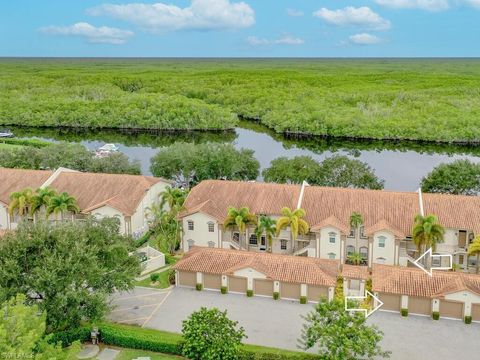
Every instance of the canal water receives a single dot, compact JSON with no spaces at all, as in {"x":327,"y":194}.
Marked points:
{"x":401,"y":164}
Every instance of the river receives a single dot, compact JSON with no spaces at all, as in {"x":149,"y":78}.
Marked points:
{"x":400,"y":164}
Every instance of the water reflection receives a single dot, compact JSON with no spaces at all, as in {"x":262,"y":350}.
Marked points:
{"x":401,"y":164}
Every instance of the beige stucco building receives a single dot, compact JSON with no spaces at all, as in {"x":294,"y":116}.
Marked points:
{"x":384,"y":238}
{"x":125,"y":197}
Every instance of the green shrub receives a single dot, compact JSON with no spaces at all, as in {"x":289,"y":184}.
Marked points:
{"x":134,"y":337}
{"x":199,"y":287}
{"x":249,"y":293}
{"x":170,"y":259}
{"x":154,"y":277}
{"x":223,"y":290}
{"x":435,"y":315}
{"x":254,"y":352}
{"x":67,"y":337}
{"x":303,"y":299}
{"x":276,"y":295}
{"x":404,"y":312}
{"x":468,"y":319}
{"x":171,"y":277}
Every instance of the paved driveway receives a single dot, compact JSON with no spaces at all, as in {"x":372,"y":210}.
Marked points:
{"x":279,"y":323}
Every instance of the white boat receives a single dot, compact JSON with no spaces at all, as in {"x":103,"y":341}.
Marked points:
{"x":106,"y":150}
{"x":6,"y":134}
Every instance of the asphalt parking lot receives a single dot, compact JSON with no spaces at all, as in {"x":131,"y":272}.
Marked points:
{"x":279,"y":323}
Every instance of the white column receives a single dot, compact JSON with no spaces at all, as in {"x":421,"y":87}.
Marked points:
{"x":375,"y":302}
{"x":303,"y":290}
{"x":247,"y":240}
{"x":467,"y":309}
{"x":370,"y":252}
{"x":331,"y":293}
{"x":220,"y":237}
{"x":435,"y":305}
{"x":199,"y":278}
{"x":249,"y":283}
{"x":342,"y":250}
{"x":276,"y":287}
{"x":404,"y":302}
{"x":176,"y":277}
{"x":317,"y":247}
{"x":362,"y":287}
{"x":397,"y":252}
{"x":345,"y":286}
{"x":225,"y":281}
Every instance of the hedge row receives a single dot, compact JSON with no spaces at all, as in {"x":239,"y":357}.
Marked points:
{"x":134,"y":337}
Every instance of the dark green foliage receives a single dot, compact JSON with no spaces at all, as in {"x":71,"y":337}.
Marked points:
{"x":404,"y":312}
{"x":276,"y":295}
{"x":210,"y":334}
{"x":468,"y":319}
{"x":25,"y":142}
{"x":192,"y":163}
{"x":67,"y":337}
{"x":337,"y":171}
{"x":143,"y":239}
{"x":171,"y":276}
{"x":435,"y":315}
{"x":223,"y":290}
{"x":170,"y":259}
{"x":249,"y":293}
{"x":133,"y":337}
{"x":461,"y":177}
{"x":339,"y":334}
{"x":154,"y":277}
{"x":72,"y":156}
{"x":303,"y":299}
{"x":199,"y":287}
{"x":72,"y":268}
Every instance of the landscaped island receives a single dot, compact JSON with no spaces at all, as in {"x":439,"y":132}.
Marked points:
{"x":436,"y":100}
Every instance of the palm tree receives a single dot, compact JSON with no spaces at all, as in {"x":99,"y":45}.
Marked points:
{"x":474,"y":249}
{"x":427,"y":232}
{"x":41,"y":199}
{"x":268,"y":226}
{"x":294,"y":220}
{"x":62,"y":203}
{"x":20,"y":202}
{"x":239,"y":218}
{"x":173,"y":197}
{"x":355,"y":258}
{"x":356,"y":221}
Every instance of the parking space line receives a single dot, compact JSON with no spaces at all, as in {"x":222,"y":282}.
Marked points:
{"x":133,"y":308}
{"x":139,"y":296}
{"x":158,"y":307}
{"x":126,"y":321}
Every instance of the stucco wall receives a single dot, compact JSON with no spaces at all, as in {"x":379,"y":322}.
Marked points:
{"x":3,"y":217}
{"x":200,"y":234}
{"x":325,"y":246}
{"x":450,"y":242}
{"x":388,"y":252}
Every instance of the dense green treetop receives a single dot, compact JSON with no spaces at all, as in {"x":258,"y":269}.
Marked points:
{"x":336,"y":171}
{"x":192,"y":163}
{"x":461,"y":177}
{"x":68,"y":269}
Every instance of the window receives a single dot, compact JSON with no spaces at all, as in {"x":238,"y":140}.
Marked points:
{"x":362,"y":231}
{"x":381,"y":241}
{"x":211,"y":227}
{"x":350,"y":249}
{"x":352,"y":232}
{"x":331,"y":256}
{"x":380,"y":260}
{"x":190,"y":225}
{"x":283,"y":244}
{"x":211,"y":244}
{"x":364,"y":252}
{"x":253,"y":240}
{"x":236,"y":237}
{"x":332,"y":236}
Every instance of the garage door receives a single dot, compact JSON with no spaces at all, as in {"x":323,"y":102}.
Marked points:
{"x":238,"y":285}
{"x":290,"y":291}
{"x":476,"y":312}
{"x":419,"y":305}
{"x":187,"y":278}
{"x":263,"y":287}
{"x":211,"y":281}
{"x":314,"y":293}
{"x":390,"y":302}
{"x":451,"y":309}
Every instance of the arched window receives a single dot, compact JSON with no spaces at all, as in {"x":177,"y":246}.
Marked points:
{"x":380,"y":260}
{"x":331,"y":256}
{"x":190,"y":224}
{"x":332,"y":237}
{"x":253,"y":240}
{"x":381,"y":241}
{"x":211,"y":226}
{"x":350,"y":249}
{"x":211,"y":244}
{"x":364,"y":252}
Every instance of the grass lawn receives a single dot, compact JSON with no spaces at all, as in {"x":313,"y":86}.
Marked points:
{"x":9,"y":146}
{"x":129,"y":354}
{"x":162,"y":283}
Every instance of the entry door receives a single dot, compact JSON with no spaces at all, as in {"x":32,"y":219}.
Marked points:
{"x":263,"y":243}
{"x":462,"y":238}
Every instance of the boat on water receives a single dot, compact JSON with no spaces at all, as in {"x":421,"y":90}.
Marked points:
{"x":106,"y":150}
{"x":6,"y":134}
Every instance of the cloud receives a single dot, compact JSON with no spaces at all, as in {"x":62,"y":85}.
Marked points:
{"x":200,"y":15}
{"x":284,"y":40}
{"x":473,"y":3}
{"x":361,"y":17}
{"x":364,"y":39}
{"x":295,"y":13}
{"x":97,"y":35}
{"x":429,"y":5}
